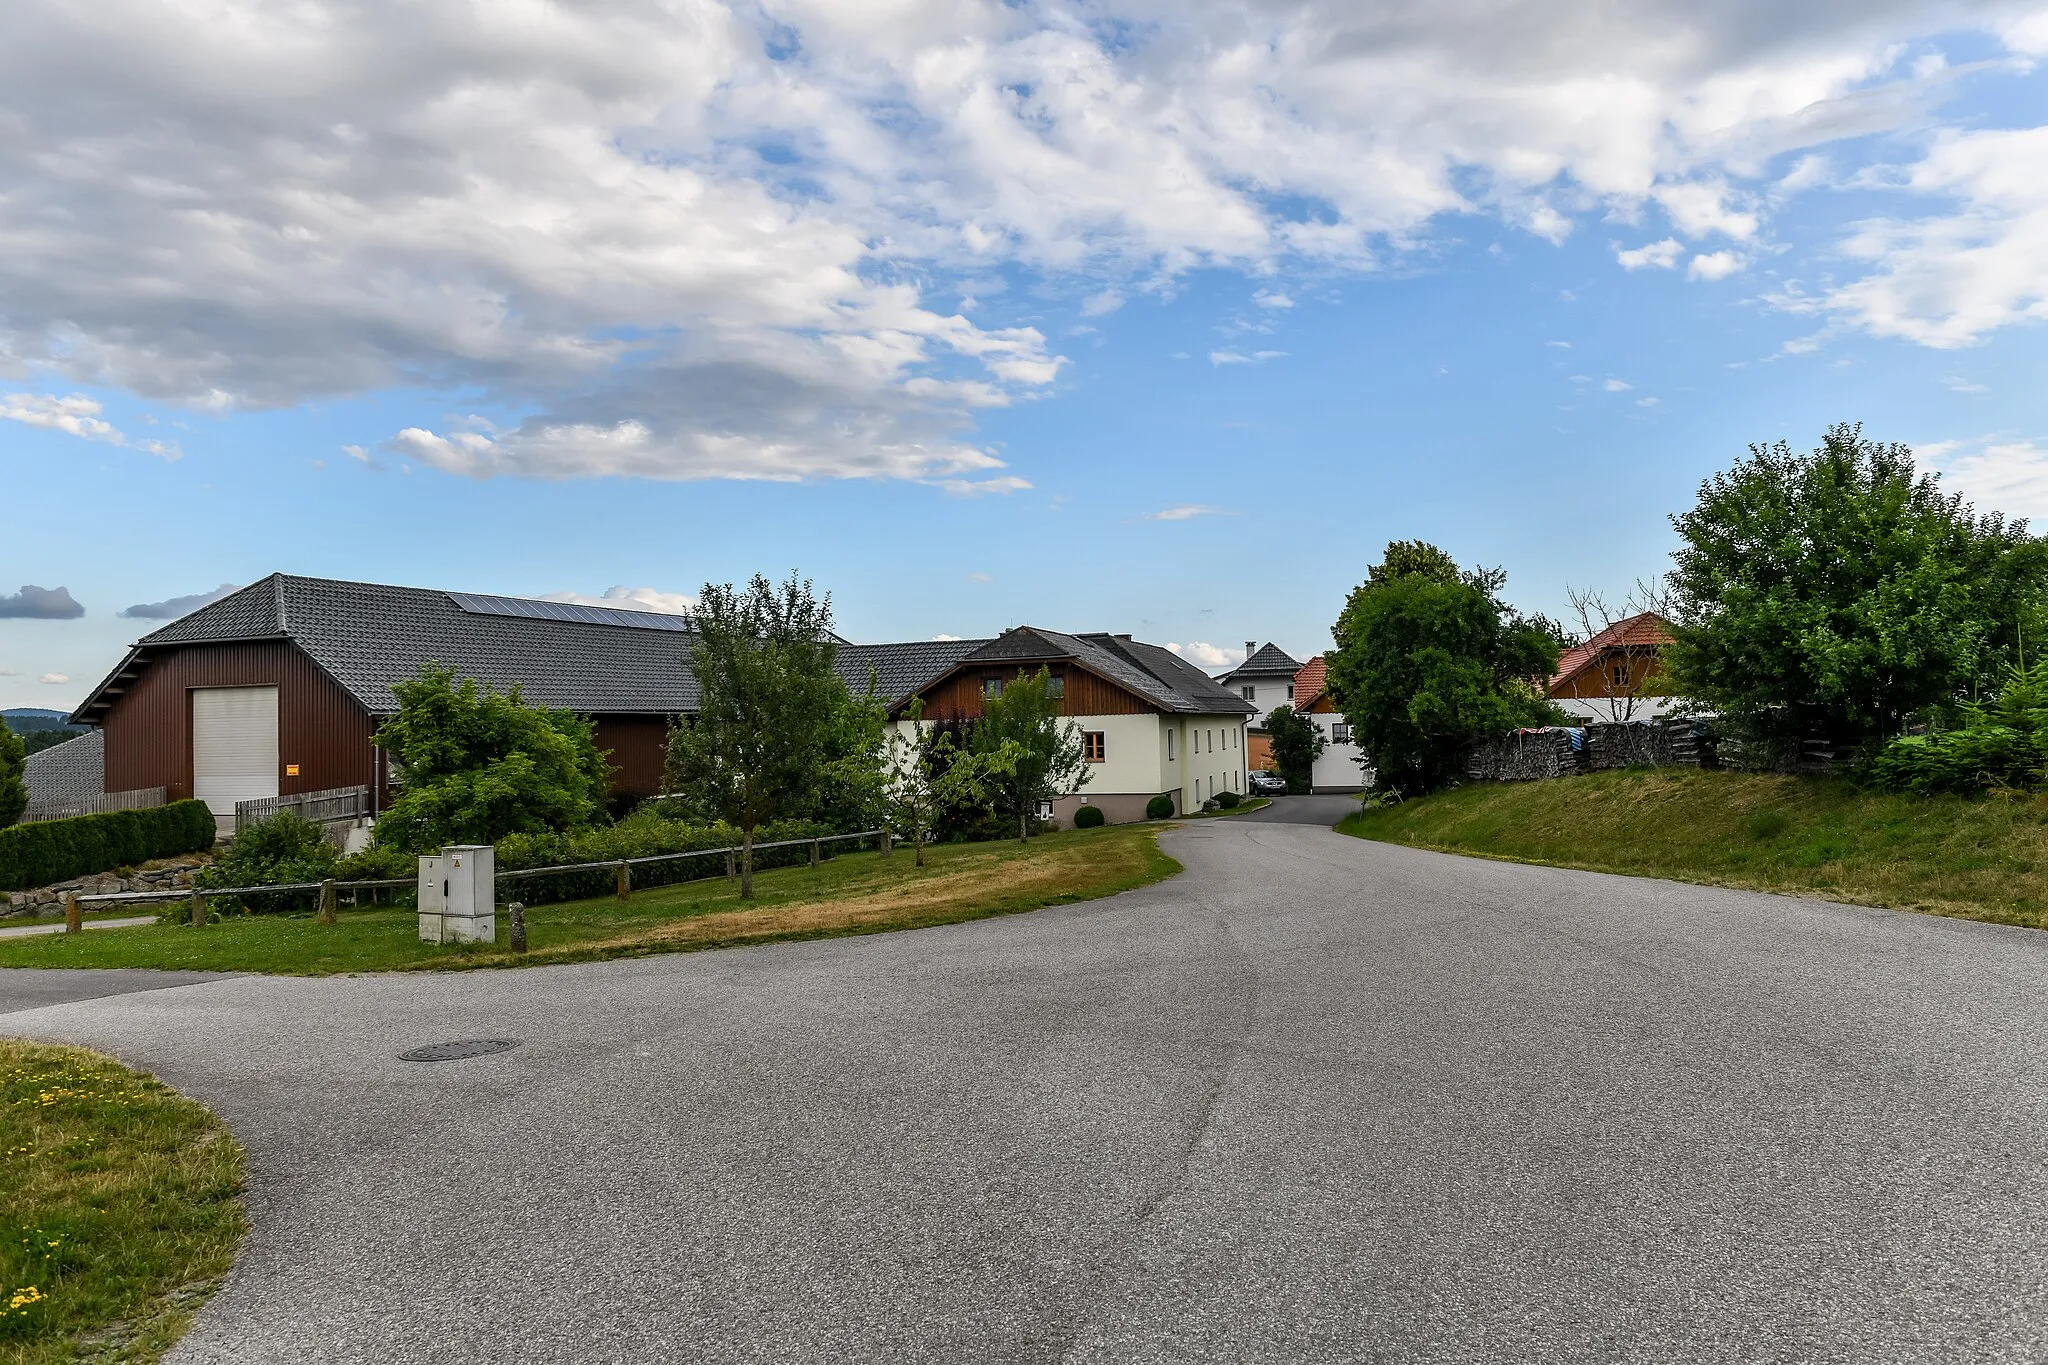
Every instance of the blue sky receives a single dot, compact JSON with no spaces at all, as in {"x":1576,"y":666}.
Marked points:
{"x":1098,"y":317}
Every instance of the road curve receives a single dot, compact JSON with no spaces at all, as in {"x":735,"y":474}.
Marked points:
{"x":1315,"y":1099}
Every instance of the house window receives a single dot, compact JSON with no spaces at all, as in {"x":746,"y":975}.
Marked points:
{"x":1340,"y":733}
{"x":1250,"y":693}
{"x":991,"y":688}
{"x":1169,"y":746}
{"x":1094,"y":747}
{"x":1290,"y":691}
{"x":1617,"y":674}
{"x":1056,"y":686}
{"x":1045,"y":810}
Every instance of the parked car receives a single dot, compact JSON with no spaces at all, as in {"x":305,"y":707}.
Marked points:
{"x":1265,"y":783}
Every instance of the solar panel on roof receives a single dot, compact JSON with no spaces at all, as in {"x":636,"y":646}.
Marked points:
{"x":480,"y":604}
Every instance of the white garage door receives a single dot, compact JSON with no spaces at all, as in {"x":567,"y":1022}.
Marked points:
{"x":234,"y":747}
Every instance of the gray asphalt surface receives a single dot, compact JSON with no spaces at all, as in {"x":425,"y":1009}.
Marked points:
{"x":1316,"y":1099}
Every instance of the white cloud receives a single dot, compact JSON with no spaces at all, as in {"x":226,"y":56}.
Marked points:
{"x":1243,"y":358}
{"x":1617,"y":386}
{"x":1207,"y":655}
{"x":1949,"y":279}
{"x":631,"y":599}
{"x":1714,"y":265}
{"x":1959,"y":384}
{"x":1649,"y":402}
{"x":1560,"y":345}
{"x":947,"y":637}
{"x":1662,"y":255}
{"x":55,"y":678}
{"x":678,"y":251}
{"x":1997,"y":473}
{"x":1102,"y":304}
{"x":978,"y":577}
{"x":1272,"y":298}
{"x":77,"y":415}
{"x":1185,"y":512}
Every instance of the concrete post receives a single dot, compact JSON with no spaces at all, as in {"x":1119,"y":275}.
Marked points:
{"x":327,"y":901}
{"x":198,"y":909}
{"x":74,"y":921}
{"x":625,"y":879}
{"x":731,"y":868}
{"x":516,"y":912}
{"x":817,"y":852}
{"x":885,"y":843}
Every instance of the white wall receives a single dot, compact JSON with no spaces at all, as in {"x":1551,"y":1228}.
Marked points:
{"x":1208,"y":756}
{"x":1337,"y":767}
{"x":1269,"y":693}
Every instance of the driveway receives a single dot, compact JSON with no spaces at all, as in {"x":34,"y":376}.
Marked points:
{"x":1316,"y":1099}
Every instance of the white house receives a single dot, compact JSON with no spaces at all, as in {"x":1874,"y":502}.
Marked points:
{"x":1340,"y":767}
{"x":1150,"y":723}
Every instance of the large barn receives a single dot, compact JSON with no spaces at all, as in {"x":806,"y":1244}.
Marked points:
{"x":276,"y":690}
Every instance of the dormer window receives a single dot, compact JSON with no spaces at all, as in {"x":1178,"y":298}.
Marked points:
{"x":991,"y":688}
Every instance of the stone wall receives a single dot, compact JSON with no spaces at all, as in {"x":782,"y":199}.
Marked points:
{"x":171,"y":875}
{"x":1538,"y":755}
{"x":1525,"y":756}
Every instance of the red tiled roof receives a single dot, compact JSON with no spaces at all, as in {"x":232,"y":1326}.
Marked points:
{"x":1644,"y":628}
{"x":1308,"y":683}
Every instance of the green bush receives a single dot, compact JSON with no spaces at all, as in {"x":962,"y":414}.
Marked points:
{"x":58,"y":850}
{"x":1229,"y":800}
{"x":2002,"y":743}
{"x":644,"y":834}
{"x":1159,"y":807}
{"x":279,"y":851}
{"x":1088,"y":817}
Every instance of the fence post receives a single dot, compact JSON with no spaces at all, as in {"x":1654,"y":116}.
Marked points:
{"x":516,"y":912}
{"x":730,"y":871}
{"x":885,"y":843}
{"x":327,"y":898}
{"x":198,"y":908}
{"x":817,"y":852}
{"x":73,"y":922}
{"x":625,"y":879}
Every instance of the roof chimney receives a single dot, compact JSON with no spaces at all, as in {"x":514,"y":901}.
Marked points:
{"x":1251,"y":647}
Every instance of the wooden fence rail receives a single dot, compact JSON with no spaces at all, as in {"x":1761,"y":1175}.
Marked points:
{"x":142,"y":798}
{"x":324,"y":807}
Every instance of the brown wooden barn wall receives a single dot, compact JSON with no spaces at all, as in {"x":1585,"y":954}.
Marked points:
{"x":638,"y":745}
{"x":959,"y":696}
{"x":320,"y":727}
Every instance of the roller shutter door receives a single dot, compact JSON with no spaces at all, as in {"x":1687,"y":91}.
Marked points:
{"x":234,"y":748}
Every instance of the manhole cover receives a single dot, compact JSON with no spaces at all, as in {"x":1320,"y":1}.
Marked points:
{"x":456,"y":1051}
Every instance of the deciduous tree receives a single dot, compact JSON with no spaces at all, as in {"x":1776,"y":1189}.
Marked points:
{"x":1025,"y":751}
{"x":1296,"y":745}
{"x":13,"y":780}
{"x":758,"y":748}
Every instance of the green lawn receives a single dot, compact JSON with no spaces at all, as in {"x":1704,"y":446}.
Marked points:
{"x":120,"y":1208}
{"x":1975,"y":859}
{"x":855,"y":893}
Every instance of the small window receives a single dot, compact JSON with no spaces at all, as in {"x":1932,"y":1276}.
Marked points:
{"x":1056,"y":686}
{"x":1290,"y":691}
{"x":1340,"y":733}
{"x":1045,"y":810}
{"x":1094,"y":746}
{"x":1169,"y":746}
{"x":1618,"y":674}
{"x":1250,"y":693}
{"x":991,"y":688}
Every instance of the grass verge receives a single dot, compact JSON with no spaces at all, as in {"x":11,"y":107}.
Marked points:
{"x":855,"y":893}
{"x":1981,"y":859}
{"x":120,"y":1208}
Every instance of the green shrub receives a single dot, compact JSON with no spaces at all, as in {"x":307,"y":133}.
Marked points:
{"x":1229,"y":800}
{"x":643,"y":834}
{"x":2003,"y":743}
{"x":282,"y":850}
{"x":1088,"y":817}
{"x":58,"y":850}
{"x":1159,"y":807}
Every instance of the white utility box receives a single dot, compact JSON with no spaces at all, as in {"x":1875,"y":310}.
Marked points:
{"x":433,"y":893}
{"x":458,"y":895}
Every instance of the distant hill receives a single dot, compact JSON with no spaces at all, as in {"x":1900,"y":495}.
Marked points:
{"x":22,"y":719}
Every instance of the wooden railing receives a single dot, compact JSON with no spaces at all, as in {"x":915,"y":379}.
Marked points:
{"x":142,"y":798}
{"x":324,"y":807}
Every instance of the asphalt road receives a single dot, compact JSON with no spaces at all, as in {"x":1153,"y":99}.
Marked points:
{"x":1315,"y":1099}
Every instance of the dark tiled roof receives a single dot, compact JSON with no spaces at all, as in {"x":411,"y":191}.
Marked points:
{"x":1270,"y":661}
{"x":368,"y":635}
{"x":1157,"y":675}
{"x":71,"y":771}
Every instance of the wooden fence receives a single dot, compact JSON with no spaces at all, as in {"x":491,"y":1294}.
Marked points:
{"x":142,"y":798}
{"x":324,"y":807}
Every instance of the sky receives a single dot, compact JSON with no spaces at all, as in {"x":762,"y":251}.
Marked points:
{"x":1128,"y":316}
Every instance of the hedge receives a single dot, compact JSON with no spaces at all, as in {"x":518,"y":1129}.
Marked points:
{"x":58,"y":850}
{"x":639,"y":836}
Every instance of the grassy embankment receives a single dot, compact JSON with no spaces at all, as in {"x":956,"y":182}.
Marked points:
{"x":120,"y":1208}
{"x":1973,"y":859}
{"x":1245,"y":807}
{"x":855,"y":893}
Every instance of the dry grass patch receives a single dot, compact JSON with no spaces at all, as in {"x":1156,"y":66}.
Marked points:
{"x":1981,"y":859}
{"x":120,"y":1208}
